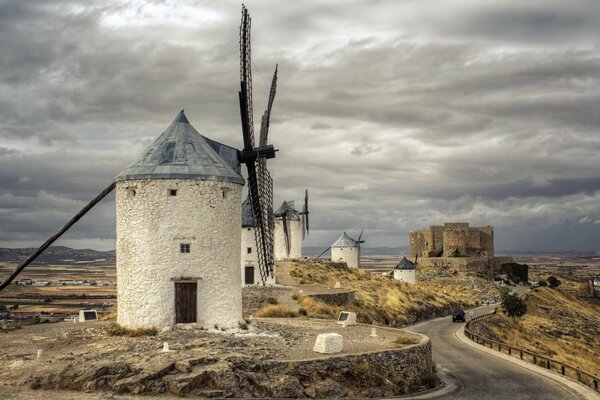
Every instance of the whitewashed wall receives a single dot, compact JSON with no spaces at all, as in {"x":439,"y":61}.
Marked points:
{"x":249,"y":241}
{"x":295,"y":234}
{"x":349,"y":255}
{"x":405,"y":275}
{"x":150,"y":227}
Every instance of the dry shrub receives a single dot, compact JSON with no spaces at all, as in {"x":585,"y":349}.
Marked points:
{"x":111,"y":316}
{"x":10,"y":326}
{"x":275,"y":311}
{"x":405,"y":340}
{"x":317,"y":308}
{"x":115,"y":329}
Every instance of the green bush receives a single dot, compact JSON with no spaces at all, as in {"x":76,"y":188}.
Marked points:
{"x":516,"y":270}
{"x":554,"y":282}
{"x":513,"y":306}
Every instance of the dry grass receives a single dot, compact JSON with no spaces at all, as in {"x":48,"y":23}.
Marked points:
{"x":115,"y":329}
{"x":405,"y":340}
{"x":275,"y":311}
{"x":384,"y":300}
{"x":11,"y":326}
{"x":558,"y":325}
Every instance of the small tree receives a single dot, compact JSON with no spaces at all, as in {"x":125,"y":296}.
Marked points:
{"x":513,"y":306}
{"x":553,"y":282}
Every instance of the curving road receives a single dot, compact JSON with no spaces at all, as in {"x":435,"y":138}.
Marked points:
{"x":474,"y":375}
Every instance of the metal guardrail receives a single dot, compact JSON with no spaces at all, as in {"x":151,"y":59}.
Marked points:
{"x":530,"y":356}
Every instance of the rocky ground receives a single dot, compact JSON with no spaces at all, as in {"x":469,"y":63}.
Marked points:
{"x":84,"y":357}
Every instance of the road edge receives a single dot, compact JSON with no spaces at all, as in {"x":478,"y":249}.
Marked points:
{"x":578,"y":388}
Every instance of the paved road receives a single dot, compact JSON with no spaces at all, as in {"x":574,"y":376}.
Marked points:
{"x":475,"y":375}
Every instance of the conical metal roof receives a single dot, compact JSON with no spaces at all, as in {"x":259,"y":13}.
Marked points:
{"x":287,"y":208}
{"x":247,"y":214}
{"x":344,"y":241}
{"x":183,"y":153}
{"x":405,"y":264}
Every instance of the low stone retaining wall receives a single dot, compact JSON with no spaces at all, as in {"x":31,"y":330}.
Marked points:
{"x":338,"y":299}
{"x":373,"y":374}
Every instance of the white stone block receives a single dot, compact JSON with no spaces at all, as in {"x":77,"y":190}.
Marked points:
{"x":347,"y":318}
{"x":329,"y":343}
{"x":337,"y":285}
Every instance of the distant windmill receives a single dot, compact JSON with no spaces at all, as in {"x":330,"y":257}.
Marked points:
{"x":291,"y":227}
{"x":347,"y":250}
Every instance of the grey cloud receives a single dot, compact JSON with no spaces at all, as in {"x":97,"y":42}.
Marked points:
{"x":444,"y":111}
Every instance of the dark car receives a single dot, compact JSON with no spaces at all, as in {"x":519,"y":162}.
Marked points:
{"x":458,"y":315}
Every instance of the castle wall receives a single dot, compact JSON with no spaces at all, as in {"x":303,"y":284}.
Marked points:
{"x":349,"y":255}
{"x":295,"y":235}
{"x":151,"y":225}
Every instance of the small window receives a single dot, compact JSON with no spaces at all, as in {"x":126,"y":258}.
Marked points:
{"x":226,"y":192}
{"x":184,"y":247}
{"x":173,"y":192}
{"x":130,"y":192}
{"x":249,"y":250}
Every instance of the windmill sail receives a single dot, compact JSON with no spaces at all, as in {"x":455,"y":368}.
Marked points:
{"x":260,"y":186}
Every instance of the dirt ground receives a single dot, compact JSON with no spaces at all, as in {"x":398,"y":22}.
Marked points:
{"x":78,"y":345}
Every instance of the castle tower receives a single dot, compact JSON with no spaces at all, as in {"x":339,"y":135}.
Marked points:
{"x":249,"y":259}
{"x":346,"y":249}
{"x":287,"y":219}
{"x":178,"y":233}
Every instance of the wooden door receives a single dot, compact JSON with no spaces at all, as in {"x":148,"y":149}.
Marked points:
{"x":249,"y":276}
{"x":185,"y":302}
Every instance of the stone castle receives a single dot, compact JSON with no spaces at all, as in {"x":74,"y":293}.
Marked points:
{"x":457,"y":246}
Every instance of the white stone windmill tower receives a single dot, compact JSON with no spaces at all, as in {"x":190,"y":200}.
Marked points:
{"x":178,"y":232}
{"x":291,"y":227}
{"x":347,"y":250}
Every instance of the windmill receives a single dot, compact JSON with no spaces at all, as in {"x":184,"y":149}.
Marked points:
{"x":347,"y":250}
{"x":291,"y":227}
{"x":199,"y":160}
{"x":260,"y":183}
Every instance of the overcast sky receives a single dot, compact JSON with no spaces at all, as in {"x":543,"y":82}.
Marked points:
{"x":395,"y":114}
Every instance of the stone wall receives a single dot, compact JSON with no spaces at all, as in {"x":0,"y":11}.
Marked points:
{"x":374,"y":374}
{"x":151,"y":225}
{"x":338,"y":299}
{"x":473,"y":265}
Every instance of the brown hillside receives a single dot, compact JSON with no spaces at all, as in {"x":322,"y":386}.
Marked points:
{"x":557,"y":324}
{"x":381,"y":299}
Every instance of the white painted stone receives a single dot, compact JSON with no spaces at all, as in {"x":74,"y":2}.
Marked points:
{"x":337,"y":285}
{"x":165,"y":347}
{"x":329,"y":343}
{"x":347,"y":318}
{"x":405,"y":275}
{"x":39,"y":353}
{"x":374,"y":332}
{"x":295,"y":235}
{"x":251,"y":259}
{"x":349,"y":255}
{"x":150,"y":227}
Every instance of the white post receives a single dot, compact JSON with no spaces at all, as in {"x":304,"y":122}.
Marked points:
{"x":165,"y":346}
{"x":39,"y":353}
{"x":373,"y":332}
